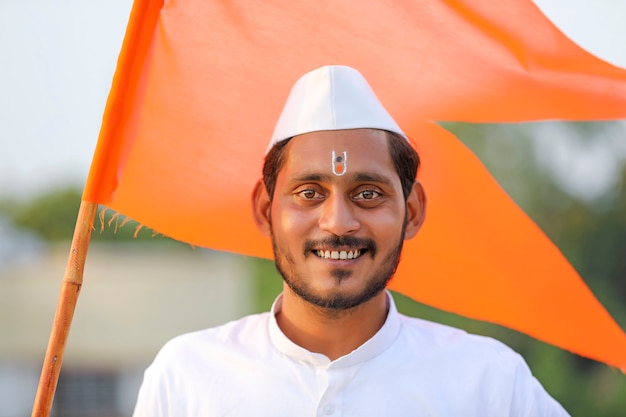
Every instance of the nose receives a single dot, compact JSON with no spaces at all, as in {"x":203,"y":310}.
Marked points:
{"x":338,"y":216}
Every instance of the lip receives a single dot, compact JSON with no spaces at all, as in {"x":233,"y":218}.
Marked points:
{"x":336,"y":263}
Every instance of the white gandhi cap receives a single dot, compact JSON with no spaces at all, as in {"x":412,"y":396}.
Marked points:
{"x":331,"y":98}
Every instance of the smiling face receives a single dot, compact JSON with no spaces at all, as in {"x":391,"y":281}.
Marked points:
{"x":337,"y":238}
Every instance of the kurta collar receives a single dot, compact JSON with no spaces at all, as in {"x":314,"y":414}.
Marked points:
{"x":380,"y":342}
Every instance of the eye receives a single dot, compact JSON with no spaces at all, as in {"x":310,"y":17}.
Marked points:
{"x":367,"y":195}
{"x":309,"y":194}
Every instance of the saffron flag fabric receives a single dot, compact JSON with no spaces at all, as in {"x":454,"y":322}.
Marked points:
{"x":200,"y":84}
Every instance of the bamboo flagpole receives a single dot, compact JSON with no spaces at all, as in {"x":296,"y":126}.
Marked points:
{"x":141,"y":24}
{"x":70,"y":289}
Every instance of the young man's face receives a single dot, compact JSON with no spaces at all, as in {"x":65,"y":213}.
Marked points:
{"x":338,"y":225}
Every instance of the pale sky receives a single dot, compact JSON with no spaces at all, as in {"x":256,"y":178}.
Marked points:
{"x":56,"y":65}
{"x":57,"y":61}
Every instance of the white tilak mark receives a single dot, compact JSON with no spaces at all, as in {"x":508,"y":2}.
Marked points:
{"x":339,"y":163}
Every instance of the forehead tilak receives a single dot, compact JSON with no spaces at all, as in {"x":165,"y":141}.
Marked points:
{"x":339,"y":163}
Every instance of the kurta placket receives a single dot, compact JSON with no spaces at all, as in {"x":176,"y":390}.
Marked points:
{"x":334,"y":378}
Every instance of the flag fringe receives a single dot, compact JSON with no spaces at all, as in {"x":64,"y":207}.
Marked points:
{"x":118,"y":220}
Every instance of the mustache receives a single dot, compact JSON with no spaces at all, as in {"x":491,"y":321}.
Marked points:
{"x":336,"y":242}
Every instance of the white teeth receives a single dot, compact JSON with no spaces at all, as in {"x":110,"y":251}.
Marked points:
{"x":338,"y":254}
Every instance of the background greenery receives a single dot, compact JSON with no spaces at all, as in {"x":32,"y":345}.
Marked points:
{"x":590,"y":232}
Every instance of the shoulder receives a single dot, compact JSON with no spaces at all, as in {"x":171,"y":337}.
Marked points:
{"x":200,"y":362}
{"x":434,"y":337}
{"x":207,"y":354}
{"x":459,"y":351}
{"x":239,"y":336}
{"x":489,"y":369}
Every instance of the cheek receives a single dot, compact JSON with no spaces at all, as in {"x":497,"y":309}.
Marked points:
{"x":384,"y":225}
{"x":293,"y":223}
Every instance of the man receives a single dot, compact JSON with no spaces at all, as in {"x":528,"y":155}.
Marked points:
{"x":339,"y":196}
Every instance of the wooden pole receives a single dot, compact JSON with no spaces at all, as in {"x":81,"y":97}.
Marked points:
{"x":70,"y":288}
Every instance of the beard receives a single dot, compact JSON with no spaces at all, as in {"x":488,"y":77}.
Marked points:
{"x":376,"y":282}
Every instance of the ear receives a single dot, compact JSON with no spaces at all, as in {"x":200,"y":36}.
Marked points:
{"x":261,"y":207}
{"x":416,"y":210}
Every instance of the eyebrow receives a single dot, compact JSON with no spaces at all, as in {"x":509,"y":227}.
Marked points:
{"x":355,"y":177}
{"x":371,"y":177}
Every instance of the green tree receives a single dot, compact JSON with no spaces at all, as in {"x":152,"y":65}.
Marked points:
{"x":53,"y":217}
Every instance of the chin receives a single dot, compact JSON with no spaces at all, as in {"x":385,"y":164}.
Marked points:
{"x":337,"y":298}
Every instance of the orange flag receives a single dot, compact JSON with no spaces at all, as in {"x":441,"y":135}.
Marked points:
{"x":200,"y":84}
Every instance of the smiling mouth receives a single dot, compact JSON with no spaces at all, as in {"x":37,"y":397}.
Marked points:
{"x":339,"y":254}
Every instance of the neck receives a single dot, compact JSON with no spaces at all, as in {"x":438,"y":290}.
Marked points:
{"x":330,"y":332}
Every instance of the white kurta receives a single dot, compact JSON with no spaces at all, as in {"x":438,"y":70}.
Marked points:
{"x":411,"y":367}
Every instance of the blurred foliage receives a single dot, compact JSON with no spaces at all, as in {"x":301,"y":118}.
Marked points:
{"x":268,"y":284}
{"x":591,"y":234}
{"x":53,"y":217}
